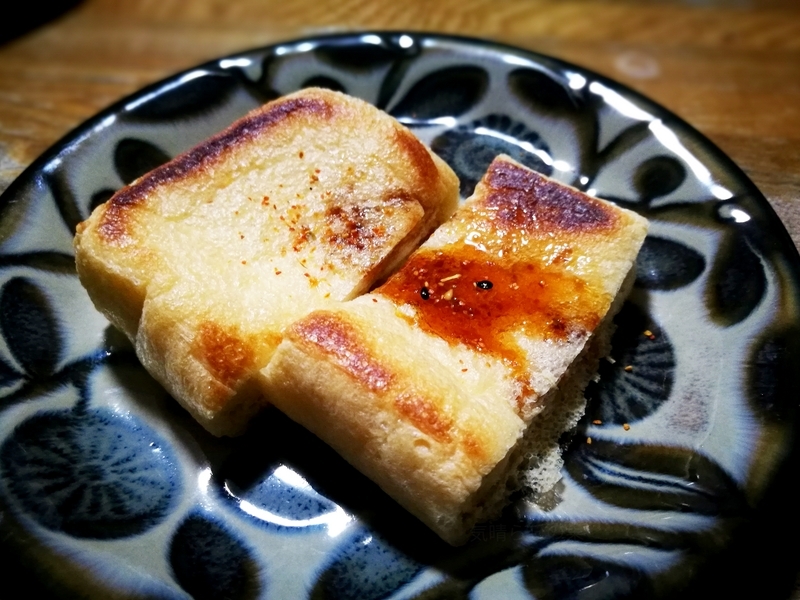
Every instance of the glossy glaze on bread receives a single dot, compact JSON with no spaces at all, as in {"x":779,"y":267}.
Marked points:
{"x":205,"y":260}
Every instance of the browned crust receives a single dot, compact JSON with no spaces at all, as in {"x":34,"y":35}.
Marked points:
{"x":227,"y":357}
{"x":425,"y":416}
{"x":420,"y":158}
{"x":523,"y":199}
{"x":341,"y":341}
{"x":113,"y":224}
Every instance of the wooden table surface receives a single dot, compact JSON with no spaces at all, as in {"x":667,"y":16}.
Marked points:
{"x":731,"y":68}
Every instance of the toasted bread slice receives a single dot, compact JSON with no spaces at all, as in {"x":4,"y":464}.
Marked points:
{"x":469,"y":362}
{"x":205,"y":260}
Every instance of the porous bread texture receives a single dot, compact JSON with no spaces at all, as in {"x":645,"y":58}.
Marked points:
{"x":536,"y":462}
{"x":204,"y":261}
{"x":451,"y":392}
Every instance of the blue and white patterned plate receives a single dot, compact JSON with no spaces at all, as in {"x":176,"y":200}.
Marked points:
{"x":107,"y":489}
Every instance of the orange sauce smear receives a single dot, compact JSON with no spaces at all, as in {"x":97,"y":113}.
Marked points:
{"x":542,"y":301}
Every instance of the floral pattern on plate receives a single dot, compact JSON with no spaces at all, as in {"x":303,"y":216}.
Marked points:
{"x":108,"y":488}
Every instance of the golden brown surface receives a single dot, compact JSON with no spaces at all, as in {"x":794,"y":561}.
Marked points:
{"x":731,"y":68}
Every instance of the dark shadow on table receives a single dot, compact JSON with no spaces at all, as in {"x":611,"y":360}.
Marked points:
{"x":30,"y":15}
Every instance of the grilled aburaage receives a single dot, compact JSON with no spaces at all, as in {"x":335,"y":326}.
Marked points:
{"x":241,"y":270}
{"x":451,"y":383}
{"x":204,"y":261}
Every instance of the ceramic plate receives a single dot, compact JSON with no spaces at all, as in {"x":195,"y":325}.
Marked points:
{"x":108,"y":489}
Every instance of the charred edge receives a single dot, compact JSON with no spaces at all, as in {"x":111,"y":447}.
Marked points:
{"x":247,"y":128}
{"x":521,"y":198}
{"x":339,"y":340}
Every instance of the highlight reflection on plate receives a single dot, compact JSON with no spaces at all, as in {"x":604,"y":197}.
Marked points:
{"x":106,"y":487}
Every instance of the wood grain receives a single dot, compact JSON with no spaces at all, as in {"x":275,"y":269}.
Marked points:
{"x":731,"y":68}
